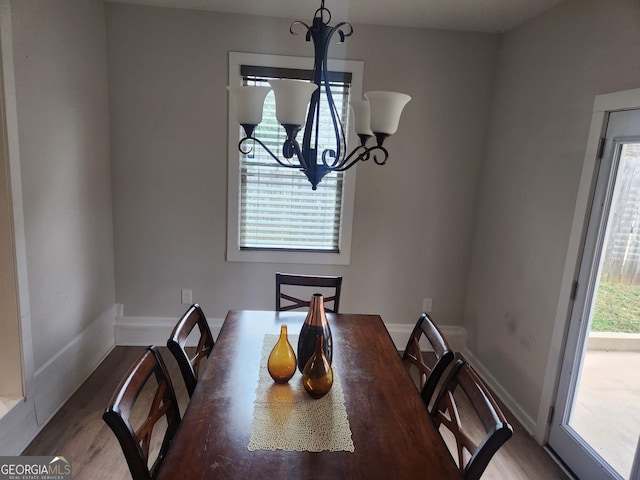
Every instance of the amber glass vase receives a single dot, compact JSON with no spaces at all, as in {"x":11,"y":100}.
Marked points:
{"x":315,"y":324}
{"x":282,"y":359}
{"x":317,"y":376}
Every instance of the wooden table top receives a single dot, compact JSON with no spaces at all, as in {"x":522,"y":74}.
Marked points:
{"x":391,"y":431}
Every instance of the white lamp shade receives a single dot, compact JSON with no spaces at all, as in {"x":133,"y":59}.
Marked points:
{"x":248,"y":103}
{"x":386,"y":108}
{"x":361,"y":117}
{"x":292,"y":100}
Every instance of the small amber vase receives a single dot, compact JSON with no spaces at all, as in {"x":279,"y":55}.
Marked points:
{"x":282,"y":359}
{"x":314,"y":324}
{"x":317,"y":376}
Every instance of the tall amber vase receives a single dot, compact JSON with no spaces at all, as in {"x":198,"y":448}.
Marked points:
{"x":317,"y":376}
{"x":315,"y":324}
{"x":282,"y":359}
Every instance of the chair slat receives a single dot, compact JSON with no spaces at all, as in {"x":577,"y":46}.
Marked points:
{"x":190,"y":367}
{"x":463,"y":380}
{"x":290,"y":279}
{"x":430,"y":373}
{"x":136,"y":444}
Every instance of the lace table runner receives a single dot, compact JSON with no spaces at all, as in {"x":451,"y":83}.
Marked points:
{"x":285,"y":417}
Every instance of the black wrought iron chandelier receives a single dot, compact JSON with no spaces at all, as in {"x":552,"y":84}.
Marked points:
{"x":377,"y":116}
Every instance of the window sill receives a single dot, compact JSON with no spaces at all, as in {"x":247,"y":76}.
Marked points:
{"x":305,"y":258}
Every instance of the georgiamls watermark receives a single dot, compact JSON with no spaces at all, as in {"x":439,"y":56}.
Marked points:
{"x":35,"y":468}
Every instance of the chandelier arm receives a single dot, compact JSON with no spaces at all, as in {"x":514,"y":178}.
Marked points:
{"x":338,"y":128}
{"x":343,"y":34}
{"x":345,"y":164}
{"x":363,"y":154}
{"x":303,"y":162}
{"x":298,"y":22}
{"x":384,"y":152}
{"x":301,"y":159}
{"x":349,"y":165}
{"x":309,"y":132}
{"x":271,"y":154}
{"x":338,"y":131}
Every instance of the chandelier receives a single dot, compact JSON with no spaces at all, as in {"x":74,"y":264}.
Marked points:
{"x":377,"y":116}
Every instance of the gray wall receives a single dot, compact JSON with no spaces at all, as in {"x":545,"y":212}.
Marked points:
{"x":63,"y":125}
{"x":549,"y":71}
{"x":413,"y":217}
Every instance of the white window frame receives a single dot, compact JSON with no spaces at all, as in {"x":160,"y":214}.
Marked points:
{"x":234,"y":253}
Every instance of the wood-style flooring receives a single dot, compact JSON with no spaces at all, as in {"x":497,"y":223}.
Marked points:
{"x":78,"y":431}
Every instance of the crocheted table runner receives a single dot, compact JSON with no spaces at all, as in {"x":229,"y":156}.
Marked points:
{"x":285,"y":417}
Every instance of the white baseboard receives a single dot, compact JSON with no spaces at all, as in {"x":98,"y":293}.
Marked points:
{"x":494,"y":385}
{"x":55,"y":382}
{"x":142,"y":331}
{"x":18,"y":428}
{"x":61,"y":376}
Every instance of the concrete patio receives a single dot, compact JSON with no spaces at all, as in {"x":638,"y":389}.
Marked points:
{"x":607,"y":411}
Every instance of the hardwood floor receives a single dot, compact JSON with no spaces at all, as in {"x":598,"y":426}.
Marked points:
{"x":521,"y":458}
{"x":78,"y":431}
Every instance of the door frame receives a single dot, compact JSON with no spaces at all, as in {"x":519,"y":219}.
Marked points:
{"x":12,"y":384}
{"x":19,"y":426}
{"x":603,"y":105}
{"x":568,"y":439}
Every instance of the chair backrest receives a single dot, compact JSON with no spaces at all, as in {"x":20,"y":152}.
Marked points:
{"x":333,"y":283}
{"x":135,"y":408}
{"x":430,"y":365}
{"x":191,"y":366}
{"x":465,"y":408}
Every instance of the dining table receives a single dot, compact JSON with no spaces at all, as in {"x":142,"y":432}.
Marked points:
{"x":239,"y":424}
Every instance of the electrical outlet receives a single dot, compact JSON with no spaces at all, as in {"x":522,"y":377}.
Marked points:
{"x":187,"y":298}
{"x":427,"y":305}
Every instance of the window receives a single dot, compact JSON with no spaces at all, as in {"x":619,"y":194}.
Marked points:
{"x":274,"y":215}
{"x":278,"y":209}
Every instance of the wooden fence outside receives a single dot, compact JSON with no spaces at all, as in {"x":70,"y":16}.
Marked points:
{"x":621,"y":261}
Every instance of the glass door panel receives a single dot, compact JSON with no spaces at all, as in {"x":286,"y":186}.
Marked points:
{"x":597,"y":425}
{"x":606,"y":413}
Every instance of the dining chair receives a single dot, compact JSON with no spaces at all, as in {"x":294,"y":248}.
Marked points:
{"x":293,"y":280}
{"x":191,"y":365}
{"x":136,"y":407}
{"x":474,"y":425}
{"x":430,"y":365}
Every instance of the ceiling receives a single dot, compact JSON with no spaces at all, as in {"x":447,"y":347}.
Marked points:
{"x":472,"y":15}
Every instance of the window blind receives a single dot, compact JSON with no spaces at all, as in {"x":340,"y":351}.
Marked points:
{"x":278,"y":208}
